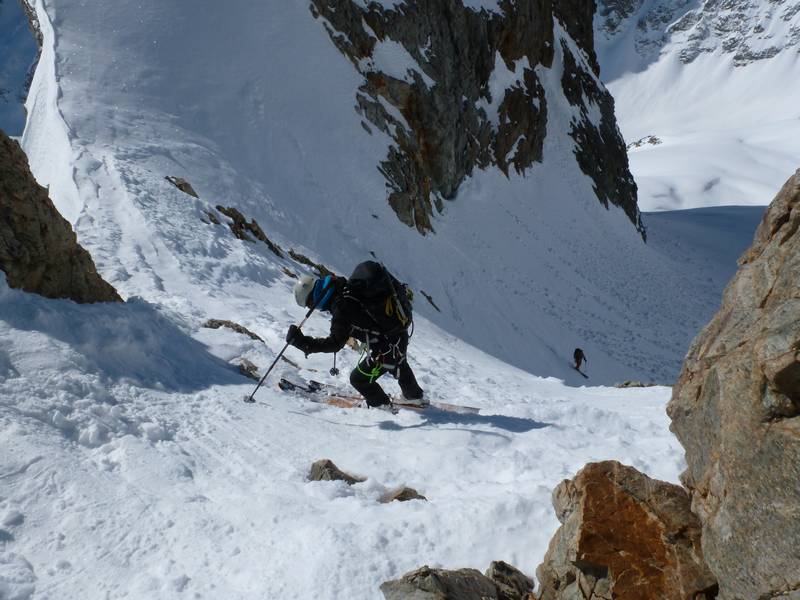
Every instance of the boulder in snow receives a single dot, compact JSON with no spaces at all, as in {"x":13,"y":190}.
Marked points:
{"x":623,"y":536}
{"x":325,"y":470}
{"x":501,"y":582}
{"x":401,"y":494}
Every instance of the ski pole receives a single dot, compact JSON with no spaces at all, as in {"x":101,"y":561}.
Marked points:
{"x":277,"y":358}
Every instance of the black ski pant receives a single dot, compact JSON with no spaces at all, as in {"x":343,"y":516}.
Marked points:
{"x":371,"y":368}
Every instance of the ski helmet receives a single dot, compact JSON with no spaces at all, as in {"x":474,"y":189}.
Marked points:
{"x":303,"y":288}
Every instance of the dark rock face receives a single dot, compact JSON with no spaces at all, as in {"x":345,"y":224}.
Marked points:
{"x":326,"y":470}
{"x":623,"y":536}
{"x":736,"y":410}
{"x":501,"y":582}
{"x":39,"y":252}
{"x":445,"y":113}
{"x":600,"y":149}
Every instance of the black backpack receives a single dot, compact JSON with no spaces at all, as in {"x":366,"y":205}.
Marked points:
{"x":385,"y":299}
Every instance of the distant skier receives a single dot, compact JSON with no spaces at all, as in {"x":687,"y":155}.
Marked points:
{"x":373,"y":307}
{"x":579,"y":357}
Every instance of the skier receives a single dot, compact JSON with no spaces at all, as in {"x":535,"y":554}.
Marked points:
{"x":579,"y":357}
{"x":373,"y":307}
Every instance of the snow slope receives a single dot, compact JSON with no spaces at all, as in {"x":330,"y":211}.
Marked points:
{"x":714,"y":82}
{"x":131,"y":468}
{"x":254,"y":105}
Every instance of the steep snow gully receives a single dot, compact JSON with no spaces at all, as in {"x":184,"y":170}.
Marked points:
{"x":111,"y":115}
{"x":129,"y":467}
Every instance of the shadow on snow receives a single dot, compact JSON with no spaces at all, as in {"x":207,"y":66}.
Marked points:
{"x":126,"y":342}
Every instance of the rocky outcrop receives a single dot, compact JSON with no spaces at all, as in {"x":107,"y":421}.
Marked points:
{"x":736,"y":410}
{"x":217,"y":323}
{"x":457,"y":89}
{"x":182,"y":185}
{"x":39,"y":251}
{"x":326,"y":470}
{"x":501,"y":582}
{"x":623,"y":536}
{"x":243,"y":229}
{"x":599,"y":147}
{"x":321,"y":269}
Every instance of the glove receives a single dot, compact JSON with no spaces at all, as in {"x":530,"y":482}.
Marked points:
{"x":295,"y":336}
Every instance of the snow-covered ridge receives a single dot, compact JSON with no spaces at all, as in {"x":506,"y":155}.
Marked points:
{"x":710,"y":80}
{"x":749,"y":30}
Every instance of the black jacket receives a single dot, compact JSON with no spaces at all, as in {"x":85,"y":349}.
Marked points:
{"x":352,"y":318}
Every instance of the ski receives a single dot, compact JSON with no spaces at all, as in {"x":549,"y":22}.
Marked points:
{"x":579,"y":371}
{"x":325,"y":394}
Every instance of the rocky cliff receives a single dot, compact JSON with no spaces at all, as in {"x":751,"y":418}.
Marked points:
{"x":458,"y":89}
{"x":38,"y":249}
{"x":736,"y":410}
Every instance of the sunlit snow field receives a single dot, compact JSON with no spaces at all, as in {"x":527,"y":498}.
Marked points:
{"x":131,"y":465}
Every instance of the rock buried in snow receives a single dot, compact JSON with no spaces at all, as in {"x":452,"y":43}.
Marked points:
{"x":182,"y":185}
{"x":217,"y":323}
{"x":248,"y":369}
{"x":623,"y":536}
{"x":501,"y":582}
{"x":325,"y":470}
{"x":634,"y":384}
{"x":401,"y":494}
